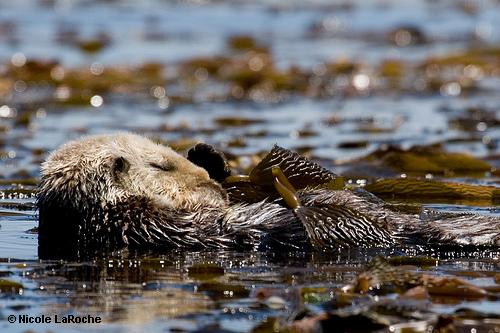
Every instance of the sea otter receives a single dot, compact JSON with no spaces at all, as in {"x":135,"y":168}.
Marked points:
{"x":108,"y":192}
{"x":112,"y":191}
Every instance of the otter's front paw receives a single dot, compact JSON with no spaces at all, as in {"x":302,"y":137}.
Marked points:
{"x":210,"y":159}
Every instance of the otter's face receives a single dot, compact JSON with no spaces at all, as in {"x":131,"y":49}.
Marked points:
{"x":157,"y":171}
{"x":108,"y":168}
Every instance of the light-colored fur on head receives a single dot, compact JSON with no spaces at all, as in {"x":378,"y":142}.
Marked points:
{"x":105,"y":169}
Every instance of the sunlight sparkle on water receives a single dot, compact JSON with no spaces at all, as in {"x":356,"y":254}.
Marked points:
{"x":96,"y":101}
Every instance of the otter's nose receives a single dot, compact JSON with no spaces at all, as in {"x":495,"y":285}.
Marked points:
{"x":202,"y":172}
{"x":197,"y":175}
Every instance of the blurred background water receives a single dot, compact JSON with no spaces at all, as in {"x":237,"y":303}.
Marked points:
{"x":335,"y":80}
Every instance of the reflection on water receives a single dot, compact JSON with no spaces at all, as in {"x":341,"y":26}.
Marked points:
{"x":17,"y":218}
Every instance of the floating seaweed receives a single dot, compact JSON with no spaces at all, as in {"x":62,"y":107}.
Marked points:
{"x":394,"y":298}
{"x":424,"y":188}
{"x":422,"y":160}
{"x":10,"y":287}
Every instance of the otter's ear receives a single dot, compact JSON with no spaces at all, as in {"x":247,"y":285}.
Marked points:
{"x":210,"y":159}
{"x":120,"y":165}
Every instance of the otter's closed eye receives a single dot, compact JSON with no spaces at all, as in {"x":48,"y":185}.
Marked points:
{"x":121,"y":165}
{"x":163,"y":166}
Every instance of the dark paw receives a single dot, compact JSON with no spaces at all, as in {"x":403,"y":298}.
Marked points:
{"x":210,"y":159}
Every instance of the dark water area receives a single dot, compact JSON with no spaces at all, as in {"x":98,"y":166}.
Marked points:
{"x":369,"y":89}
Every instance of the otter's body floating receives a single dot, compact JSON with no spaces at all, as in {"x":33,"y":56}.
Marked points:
{"x":122,"y":190}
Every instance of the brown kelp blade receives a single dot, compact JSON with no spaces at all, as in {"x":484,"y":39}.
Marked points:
{"x":300,"y":171}
{"x":331,"y":227}
{"x":420,"y":188}
{"x":452,"y":287}
{"x":294,"y":168}
{"x":381,"y":275}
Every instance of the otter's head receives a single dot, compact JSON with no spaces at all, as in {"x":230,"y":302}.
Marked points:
{"x":83,"y":176}
{"x":103,"y":169}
